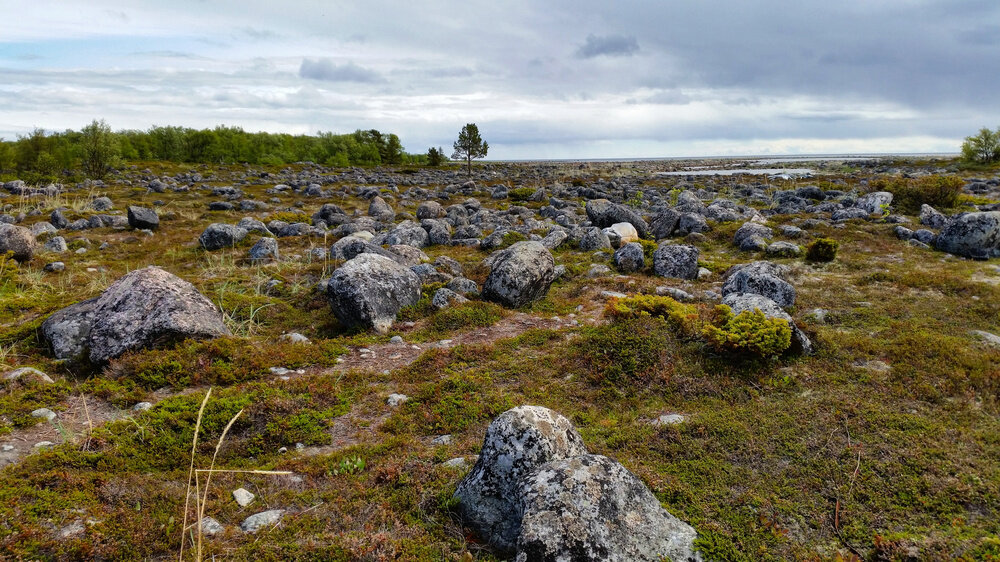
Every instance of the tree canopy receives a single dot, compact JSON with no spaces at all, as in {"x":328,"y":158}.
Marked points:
{"x":983,"y":148}
{"x":470,"y":145}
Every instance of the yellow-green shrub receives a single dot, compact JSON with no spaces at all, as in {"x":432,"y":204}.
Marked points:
{"x":908,"y":194}
{"x":747,"y":333}
{"x":681,"y":317}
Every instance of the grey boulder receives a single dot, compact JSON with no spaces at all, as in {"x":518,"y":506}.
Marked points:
{"x":266,"y":249}
{"x":876,"y":202}
{"x":594,"y":239}
{"x":973,"y":235}
{"x":519,"y":275}
{"x":369,"y":291}
{"x":516,"y":443}
{"x":761,"y":278}
{"x":17,"y":240}
{"x":143,"y":218}
{"x":629,"y":258}
{"x":752,"y":237}
{"x":217,"y":236}
{"x":929,"y":216}
{"x":145,"y":308}
{"x":603,"y":213}
{"x":592,"y":509}
{"x":676,"y":260}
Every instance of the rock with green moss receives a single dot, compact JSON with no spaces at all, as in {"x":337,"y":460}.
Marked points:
{"x":739,"y":303}
{"x":17,"y":240}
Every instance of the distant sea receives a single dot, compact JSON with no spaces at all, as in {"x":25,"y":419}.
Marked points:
{"x":763,"y":158}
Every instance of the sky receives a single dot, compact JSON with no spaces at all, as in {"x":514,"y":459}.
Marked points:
{"x":554,"y":79}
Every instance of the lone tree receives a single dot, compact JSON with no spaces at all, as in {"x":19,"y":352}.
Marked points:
{"x":100,"y":149}
{"x":983,"y":148}
{"x":470,"y":145}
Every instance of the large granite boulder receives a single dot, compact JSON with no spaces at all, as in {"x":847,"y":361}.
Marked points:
{"x":218,"y":236}
{"x":761,"y":278}
{"x":350,"y":246}
{"x":676,"y":260}
{"x":517,"y":442}
{"x":973,"y":235}
{"x":752,"y":237}
{"x":629,"y":258}
{"x":17,"y":240}
{"x":380,"y":210}
{"x":369,"y":291}
{"x":592,"y":509}
{"x":876,"y":202}
{"x":146,"y":308}
{"x":519,"y":275}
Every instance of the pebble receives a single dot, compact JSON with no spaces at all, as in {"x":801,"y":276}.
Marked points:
{"x":44,"y":444}
{"x":142,"y":406}
{"x":260,"y":520}
{"x":295,"y":337}
{"x":668,"y":419}
{"x":7,"y":448}
{"x":55,"y":266}
{"x":46,"y":413}
{"x":457,"y":462}
{"x":396,"y":340}
{"x":442,"y":439}
{"x":280,"y":370}
{"x":210,"y":526}
{"x":27,"y":372}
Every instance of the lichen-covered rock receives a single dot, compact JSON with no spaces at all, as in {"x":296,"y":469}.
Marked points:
{"x":517,"y":442}
{"x":761,"y":278}
{"x":603,"y":213}
{"x":740,"y":302}
{"x":929,"y":216}
{"x":676,"y":260}
{"x":782,"y":249}
{"x":150,"y":307}
{"x":18,"y":240}
{"x":380,"y":210}
{"x":664,"y":223}
{"x":444,"y":297}
{"x":369,"y":290}
{"x":849,"y":214}
{"x":217,"y":236}
{"x":519,"y":275}
{"x":629,"y":258}
{"x":691,"y":222}
{"x":592,"y":509}
{"x":101,"y":204}
{"x":143,"y":218}
{"x":350,"y":246}
{"x":261,"y":520}
{"x":973,"y":235}
{"x":594,"y":239}
{"x":266,"y":249}
{"x":330,"y":215}
{"x":752,"y":237}
{"x":408,"y":233}
{"x":876,"y":202}
{"x":67,"y":331}
{"x":554,"y":239}
{"x":430,"y":210}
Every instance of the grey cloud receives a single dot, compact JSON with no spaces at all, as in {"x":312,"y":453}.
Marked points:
{"x":607,"y":45}
{"x":325,"y":69}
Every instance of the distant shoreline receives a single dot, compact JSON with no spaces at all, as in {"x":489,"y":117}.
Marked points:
{"x":770,"y":157}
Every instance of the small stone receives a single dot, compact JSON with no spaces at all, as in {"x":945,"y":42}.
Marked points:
{"x":300,"y":446}
{"x":396,"y":399}
{"x":24,"y":372}
{"x":7,"y":448}
{"x":45,"y":413}
{"x":279,"y":370}
{"x":987,"y":337}
{"x":44,"y":444}
{"x":442,"y":440}
{"x":73,"y":529}
{"x":260,"y":520}
{"x":612,"y":295}
{"x":668,"y":419}
{"x":210,"y":526}
{"x":56,"y":266}
{"x":283,"y":450}
{"x":294,"y":337}
{"x":243,"y":497}
{"x":396,"y":340}
{"x":457,"y":462}
{"x":142,"y":406}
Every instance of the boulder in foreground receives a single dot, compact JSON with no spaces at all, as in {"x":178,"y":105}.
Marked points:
{"x":973,"y":235}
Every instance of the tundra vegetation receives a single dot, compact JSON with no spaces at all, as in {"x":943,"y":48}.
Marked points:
{"x":882,"y":443}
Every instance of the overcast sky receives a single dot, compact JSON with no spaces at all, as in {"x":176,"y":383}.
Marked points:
{"x":556,"y":79}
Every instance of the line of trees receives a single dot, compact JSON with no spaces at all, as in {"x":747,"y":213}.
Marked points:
{"x":95,"y":149}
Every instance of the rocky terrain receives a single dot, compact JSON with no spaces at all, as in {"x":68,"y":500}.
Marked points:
{"x":543,"y":361}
